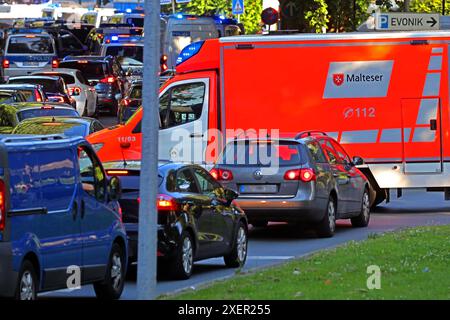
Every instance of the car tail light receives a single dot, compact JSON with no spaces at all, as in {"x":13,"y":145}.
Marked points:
{"x":305,"y":175}
{"x":57,"y":99}
{"x":108,"y":80}
{"x":120,"y":213}
{"x":221,"y":174}
{"x":2,"y":205}
{"x":47,"y":107}
{"x":55,"y":63}
{"x":166,"y":203}
{"x":163,"y":63}
{"x":5,"y":63}
{"x":74,"y":91}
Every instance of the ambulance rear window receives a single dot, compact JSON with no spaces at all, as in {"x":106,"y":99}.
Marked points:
{"x":262,"y":153}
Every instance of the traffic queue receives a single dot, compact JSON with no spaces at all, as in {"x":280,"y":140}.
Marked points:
{"x":241,"y":142}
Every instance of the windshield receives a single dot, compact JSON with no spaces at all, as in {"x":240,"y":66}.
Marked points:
{"x":90,"y":70}
{"x":66,"y":128}
{"x":136,"y":22}
{"x":47,"y":84}
{"x":127,"y":55}
{"x":30,"y":45}
{"x":261,"y":153}
{"x":44,"y":112}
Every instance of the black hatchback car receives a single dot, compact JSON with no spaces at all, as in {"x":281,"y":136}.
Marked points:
{"x":105,"y":74}
{"x":197,"y":216}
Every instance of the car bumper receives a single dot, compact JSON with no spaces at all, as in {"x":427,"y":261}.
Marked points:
{"x":8,"y":277}
{"x":283,"y":210}
{"x":14,"y":72}
{"x":167,"y":241}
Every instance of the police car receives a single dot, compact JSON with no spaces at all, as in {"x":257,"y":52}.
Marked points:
{"x":129,"y":50}
{"x":28,"y":51}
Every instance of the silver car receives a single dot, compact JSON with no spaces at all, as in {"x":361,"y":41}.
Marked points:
{"x":309,"y":179}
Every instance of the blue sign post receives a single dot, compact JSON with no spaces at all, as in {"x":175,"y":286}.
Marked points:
{"x":237,"y":7}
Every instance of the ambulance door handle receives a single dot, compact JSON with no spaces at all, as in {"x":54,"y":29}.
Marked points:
{"x":433,"y":124}
{"x":196,"y":135}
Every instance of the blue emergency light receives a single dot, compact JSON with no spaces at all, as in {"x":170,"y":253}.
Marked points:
{"x":189,"y":51}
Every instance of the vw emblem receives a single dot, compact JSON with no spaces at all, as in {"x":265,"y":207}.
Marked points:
{"x":258,"y":174}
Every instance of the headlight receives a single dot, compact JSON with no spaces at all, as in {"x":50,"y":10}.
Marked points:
{"x":97,"y":146}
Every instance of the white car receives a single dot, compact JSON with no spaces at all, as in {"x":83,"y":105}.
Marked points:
{"x":79,"y":89}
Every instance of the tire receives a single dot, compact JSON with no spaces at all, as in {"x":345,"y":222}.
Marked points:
{"x":27,"y":282}
{"x":260,"y":224}
{"x":238,"y":255}
{"x":327,"y":227}
{"x":182,"y":263}
{"x":362,"y":220}
{"x":111,"y":288}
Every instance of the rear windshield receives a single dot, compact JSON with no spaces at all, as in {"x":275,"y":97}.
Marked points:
{"x":47,"y":84}
{"x":68,"y":79}
{"x":30,"y":45}
{"x":136,"y":92}
{"x":261,"y":153}
{"x":90,"y":70}
{"x":66,"y":128}
{"x":28,"y":94}
{"x":127,"y":55}
{"x":42,"y":112}
{"x":136,"y":22}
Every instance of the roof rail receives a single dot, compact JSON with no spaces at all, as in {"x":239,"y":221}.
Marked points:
{"x":309,"y":133}
{"x":30,"y":137}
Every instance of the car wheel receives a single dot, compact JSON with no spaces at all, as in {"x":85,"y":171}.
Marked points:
{"x":111,"y":288}
{"x":362,"y":220}
{"x":238,"y":255}
{"x":27,"y":282}
{"x":182,"y":264}
{"x":327,"y":226}
{"x":260,"y":224}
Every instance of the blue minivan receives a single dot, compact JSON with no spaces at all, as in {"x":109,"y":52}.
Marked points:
{"x":60,"y":222}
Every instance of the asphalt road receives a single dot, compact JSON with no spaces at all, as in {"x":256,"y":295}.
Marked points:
{"x":281,"y":242}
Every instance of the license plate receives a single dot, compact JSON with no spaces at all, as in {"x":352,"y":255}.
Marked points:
{"x":31,"y":63}
{"x":258,"y":188}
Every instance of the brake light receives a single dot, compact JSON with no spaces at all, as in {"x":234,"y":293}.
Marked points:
{"x":120,"y":213}
{"x":2,"y":205}
{"x":5,"y":63}
{"x":117,"y":172}
{"x":57,"y":99}
{"x":48,"y":107}
{"x":55,"y":63}
{"x":221,"y":174}
{"x":305,"y":175}
{"x":163,"y":63}
{"x":75,"y":91}
{"x":108,"y":80}
{"x":126,"y":102}
{"x":166,"y":203}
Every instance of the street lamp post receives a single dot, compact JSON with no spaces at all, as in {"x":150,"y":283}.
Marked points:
{"x":147,"y":240}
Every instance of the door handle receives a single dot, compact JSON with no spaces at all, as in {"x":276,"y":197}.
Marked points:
{"x":196,"y":135}
{"x":83,"y":208}
{"x":74,"y":211}
{"x":433,"y":124}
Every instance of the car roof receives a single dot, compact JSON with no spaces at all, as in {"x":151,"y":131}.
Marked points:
{"x":58,"y":70}
{"x":87,"y":58}
{"x":81,"y":120}
{"x":14,"y":86}
{"x":163,"y":165}
{"x":34,"y":105}
{"x":54,"y":78}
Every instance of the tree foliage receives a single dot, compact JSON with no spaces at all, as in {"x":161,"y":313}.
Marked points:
{"x":429,"y":6}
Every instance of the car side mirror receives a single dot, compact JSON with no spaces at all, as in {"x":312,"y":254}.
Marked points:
{"x":114,"y":189}
{"x":357,"y":161}
{"x":230,"y":195}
